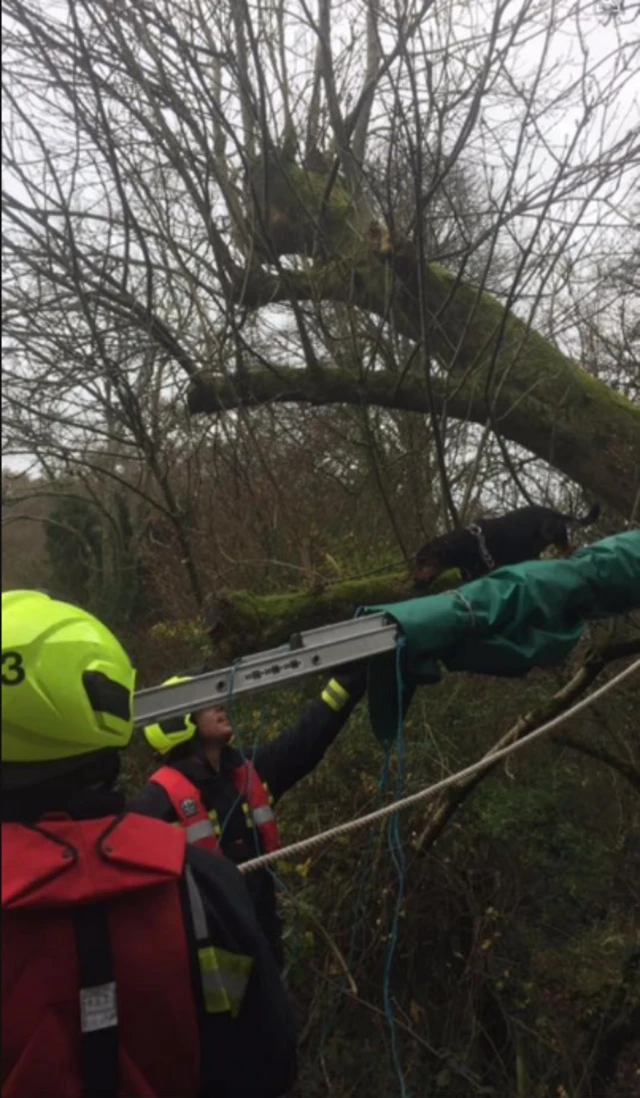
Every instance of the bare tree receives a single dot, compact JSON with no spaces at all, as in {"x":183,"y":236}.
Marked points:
{"x":244,"y":206}
{"x":274,"y":271}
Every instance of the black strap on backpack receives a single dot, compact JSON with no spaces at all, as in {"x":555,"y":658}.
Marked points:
{"x":98,"y":1002}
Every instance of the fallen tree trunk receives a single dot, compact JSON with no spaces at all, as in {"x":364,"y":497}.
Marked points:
{"x":240,"y":622}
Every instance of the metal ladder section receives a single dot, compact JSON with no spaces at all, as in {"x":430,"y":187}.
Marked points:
{"x":305,"y":654}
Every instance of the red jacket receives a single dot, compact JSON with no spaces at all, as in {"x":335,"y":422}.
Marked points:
{"x":89,"y":996}
{"x":201,"y":827}
{"x":280,"y":763}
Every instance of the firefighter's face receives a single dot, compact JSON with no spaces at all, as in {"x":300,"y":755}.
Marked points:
{"x":213,"y":725}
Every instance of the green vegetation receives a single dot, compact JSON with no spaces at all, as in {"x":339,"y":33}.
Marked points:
{"x":513,"y":973}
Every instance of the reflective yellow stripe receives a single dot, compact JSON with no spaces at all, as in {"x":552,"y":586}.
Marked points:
{"x":236,"y":972}
{"x":216,"y":1000}
{"x":335,"y":695}
{"x":248,"y":819}
{"x":225,"y":977}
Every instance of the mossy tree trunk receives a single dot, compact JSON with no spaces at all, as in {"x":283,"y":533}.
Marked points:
{"x":492,"y":366}
{"x":245,"y":623}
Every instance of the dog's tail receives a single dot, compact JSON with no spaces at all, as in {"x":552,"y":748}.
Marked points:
{"x":592,"y":516}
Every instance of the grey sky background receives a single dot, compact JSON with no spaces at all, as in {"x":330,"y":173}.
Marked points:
{"x":593,"y":53}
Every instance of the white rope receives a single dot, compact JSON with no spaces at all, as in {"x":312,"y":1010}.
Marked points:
{"x":422,"y":795}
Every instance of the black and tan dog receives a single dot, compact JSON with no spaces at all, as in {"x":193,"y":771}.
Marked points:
{"x":490,"y":543}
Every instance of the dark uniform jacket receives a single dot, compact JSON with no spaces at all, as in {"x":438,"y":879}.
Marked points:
{"x":280,"y":763}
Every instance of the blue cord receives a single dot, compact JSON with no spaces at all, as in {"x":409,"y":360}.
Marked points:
{"x":229,"y":701}
{"x":396,"y":850}
{"x":279,"y":882}
{"x":359,"y":907}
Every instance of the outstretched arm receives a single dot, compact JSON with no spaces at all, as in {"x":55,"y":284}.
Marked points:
{"x":298,"y":750}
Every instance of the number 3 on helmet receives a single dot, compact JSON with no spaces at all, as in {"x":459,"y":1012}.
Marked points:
{"x":67,"y":683}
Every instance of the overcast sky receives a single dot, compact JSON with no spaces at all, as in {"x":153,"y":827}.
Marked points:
{"x":606,"y":43}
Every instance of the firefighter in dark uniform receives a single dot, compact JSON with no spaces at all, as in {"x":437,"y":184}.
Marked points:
{"x":132,"y":963}
{"x":224,"y":798}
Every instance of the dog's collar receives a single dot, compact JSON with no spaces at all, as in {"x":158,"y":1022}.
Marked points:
{"x":487,"y":559}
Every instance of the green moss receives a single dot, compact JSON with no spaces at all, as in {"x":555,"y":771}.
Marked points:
{"x":550,"y":382}
{"x":250,"y":623}
{"x":189,"y":631}
{"x":599,"y":391}
{"x":297,"y":209}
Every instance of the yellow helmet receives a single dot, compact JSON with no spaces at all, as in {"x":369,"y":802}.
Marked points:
{"x":67,"y":683}
{"x":166,"y":735}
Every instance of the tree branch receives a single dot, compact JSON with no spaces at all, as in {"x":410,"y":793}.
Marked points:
{"x":600,"y":754}
{"x":360,"y":130}
{"x":450,"y":801}
{"x":551,"y":418}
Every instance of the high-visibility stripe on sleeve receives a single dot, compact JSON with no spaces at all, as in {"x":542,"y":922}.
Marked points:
{"x":203,"y":829}
{"x":335,"y":695}
{"x":262,"y":815}
{"x":224,"y":976}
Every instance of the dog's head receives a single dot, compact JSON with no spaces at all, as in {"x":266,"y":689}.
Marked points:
{"x":553,"y":538}
{"x":427,"y":566}
{"x":553,"y":532}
